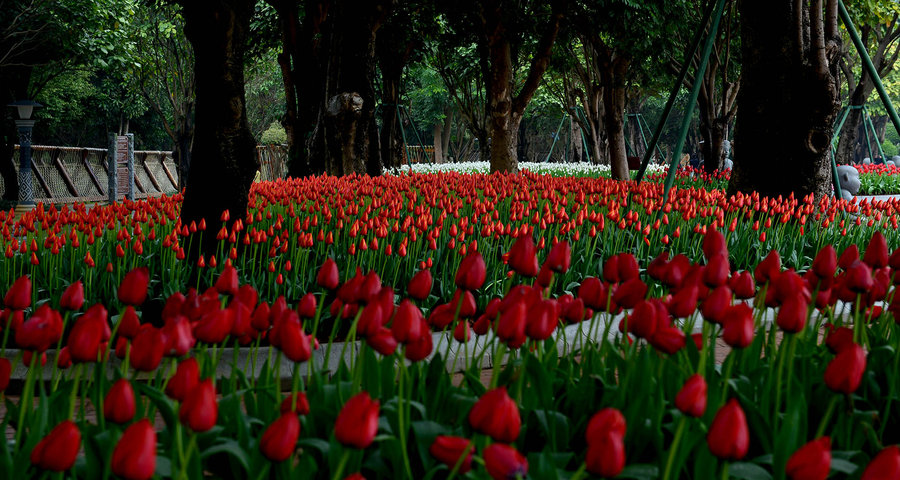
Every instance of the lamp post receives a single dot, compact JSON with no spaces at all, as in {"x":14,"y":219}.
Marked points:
{"x":24,"y":124}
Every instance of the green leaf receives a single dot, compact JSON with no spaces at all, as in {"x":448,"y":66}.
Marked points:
{"x":316,"y":444}
{"x":231,"y":447}
{"x":640,"y":471}
{"x":748,"y":471}
{"x":843,"y":466}
{"x":163,"y":467}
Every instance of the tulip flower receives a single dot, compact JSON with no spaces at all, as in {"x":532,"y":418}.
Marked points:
{"x":876,"y":255}
{"x":327,"y":277}
{"x":738,"y":326}
{"x":606,"y":421}
{"x":511,"y":325}
{"x":541,"y":320}
{"x":409,"y":324}
{"x":522,"y":257}
{"x":825,"y":263}
{"x":627,"y":267}
{"x":714,"y":244}
{"x":133,"y":289}
{"x":299,"y":406}
{"x":178,"y":335}
{"x":848,"y":256}
{"x":57,"y":451}
{"x":453,"y":451}
{"x":420,"y":348}
{"x":885,"y":465}
{"x":294,"y":343}
{"x":668,"y":339}
{"x":134,"y":457}
{"x":383,"y":342}
{"x":147,"y":349}
{"x":844,"y":372}
{"x":811,"y":461}
{"x":717,"y":271}
{"x":716,"y":303}
{"x":5,"y":371}
{"x":742,"y":285}
{"x":497,"y":415}
{"x":279,"y":440}
{"x":186,"y":377}
{"x":504,"y":462}
{"x":84,"y":339}
{"x":227,"y":283}
{"x":768,"y":268}
{"x":73,"y":297}
{"x":593,"y":292}
{"x":18,"y":297}
{"x":200,"y":409}
{"x":306,"y":307}
{"x":420,"y":286}
{"x":129,"y":323}
{"x":560,"y":257}
{"x":605,"y":455}
{"x":728,"y":437}
{"x":471,"y":272}
{"x":357,"y":423}
{"x":42,"y":329}
{"x":691,"y":399}
{"x":119,"y":404}
{"x":792,"y":315}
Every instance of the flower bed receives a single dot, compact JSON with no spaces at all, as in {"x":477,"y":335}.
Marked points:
{"x":809,"y":394}
{"x":882,"y":179}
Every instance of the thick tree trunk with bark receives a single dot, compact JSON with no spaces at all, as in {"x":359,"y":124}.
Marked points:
{"x":789,"y":99}
{"x":182,"y":154}
{"x":615,"y":66}
{"x":223,"y":157}
{"x":391,"y":123}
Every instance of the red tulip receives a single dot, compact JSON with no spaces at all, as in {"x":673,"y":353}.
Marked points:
{"x":657,"y":267}
{"x":409,"y":324}
{"x":357,"y":423}
{"x":42,"y":329}
{"x":560,"y":257}
{"x":630,"y":293}
{"x":714,"y":244}
{"x":293,"y":341}
{"x":728,"y":437}
{"x":178,"y":335}
{"x":57,"y":451}
{"x":716,"y":304}
{"x":504,"y":462}
{"x":129,"y":323}
{"x":848,"y":256}
{"x":279,"y":440}
{"x":838,"y":339}
{"x":593,"y":292}
{"x":420,"y":286}
{"x":327,"y":277}
{"x":300,"y":406}
{"x":186,"y":377}
{"x":133,"y":289}
{"x":605,"y":456}
{"x":227,"y":283}
{"x":811,"y":461}
{"x":84,"y":339}
{"x":73,"y":297}
{"x":768,"y":268}
{"x":18,"y":297}
{"x":541,"y":320}
{"x":627,"y":267}
{"x":522,"y":257}
{"x":876,"y":255}
{"x":844,"y":372}
{"x":134,"y":457}
{"x":885,"y":465}
{"x":792,"y":315}
{"x":420,"y":348}
{"x":859,"y":277}
{"x":511,"y":325}
{"x":825,"y":263}
{"x":147,"y":349}
{"x":453,"y":451}
{"x":691,"y":399}
{"x":684,"y":303}
{"x":742,"y":285}
{"x":383,"y":342}
{"x":215,"y":326}
{"x":668,"y":339}
{"x":497,"y":415}
{"x":200,"y":410}
{"x":248,"y":296}
{"x":471,"y":272}
{"x":119,"y":405}
{"x":611,"y":269}
{"x":738,"y":327}
{"x":716,"y":271}
{"x":606,"y":421}
{"x":5,"y":371}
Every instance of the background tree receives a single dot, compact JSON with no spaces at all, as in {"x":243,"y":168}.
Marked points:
{"x":789,"y":98}
{"x":879,"y":29}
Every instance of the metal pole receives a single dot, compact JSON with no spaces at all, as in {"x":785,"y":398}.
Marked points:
{"x":26,"y":179}
{"x":413,"y":125}
{"x":580,"y":113}
{"x":692,"y":100}
{"x":555,"y":138}
{"x":867,"y":62}
{"x":403,"y":135}
{"x":868,"y":139}
{"x":689,"y":55}
{"x":835,"y":178}
{"x":840,"y":125}
{"x":871,"y":125}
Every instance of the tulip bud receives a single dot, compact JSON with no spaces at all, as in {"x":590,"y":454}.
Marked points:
{"x":606,"y":421}
{"x":134,"y":457}
{"x":522,"y":257}
{"x":844,"y":372}
{"x":84,"y":339}
{"x":420,"y":286}
{"x":792,"y":315}
{"x":357,"y":423}
{"x":133,"y":289}
{"x":383,"y":342}
{"x":738,"y":327}
{"x":147,"y":349}
{"x":119,"y":404}
{"x":691,"y":399}
{"x":200,"y":410}
{"x":825,"y":263}
{"x":73,"y":297}
{"x":42,"y":329}
{"x":876,"y":255}
{"x":728,"y":437}
{"x":420,"y":348}
{"x":714,"y":244}
{"x":811,"y":461}
{"x":504,"y":462}
{"x":57,"y":451}
{"x":279,"y":440}
{"x":497,"y":415}
{"x":560,"y":257}
{"x":606,"y":455}
{"x":327,"y":277}
{"x":227,"y":283}
{"x":300,"y":405}
{"x":186,"y":377}
{"x":453,"y":451}
{"x":5,"y":371}
{"x":471,"y":272}
{"x":18,"y":297}
{"x":885,"y":465}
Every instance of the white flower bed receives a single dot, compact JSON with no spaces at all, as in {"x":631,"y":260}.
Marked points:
{"x":568,"y":169}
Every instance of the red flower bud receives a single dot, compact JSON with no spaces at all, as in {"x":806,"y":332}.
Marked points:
{"x":844,"y":372}
{"x":147,"y":349}
{"x":300,"y":406}
{"x":186,"y":377}
{"x":73,"y":296}
{"x":768,"y":268}
{"x":84,"y":339}
{"x":409,"y":324}
{"x":541,"y":319}
{"x":504,"y":462}
{"x":328,"y":277}
{"x":279,"y":440}
{"x":134,"y":457}
{"x":627,"y":267}
{"x":453,"y":451}
{"x":738,"y":327}
{"x":42,"y":329}
{"x":716,"y":303}
{"x":876,"y":255}
{"x":357,"y":423}
{"x":119,"y":405}
{"x":728,"y":437}
{"x":605,"y":455}
{"x":593,"y":292}
{"x":825,"y":263}
{"x":5,"y":371}
{"x":628,"y":294}
{"x":606,"y":421}
{"x":691,"y":399}
{"x":200,"y":410}
{"x":668,"y":339}
{"x":511,"y":325}
{"x":848,"y":256}
{"x":18,"y":297}
{"x":522,"y":257}
{"x":420,"y":286}
{"x":714,"y":244}
{"x":885,"y":465}
{"x":811,"y":461}
{"x":471,"y":272}
{"x":716,"y":271}
{"x":227,"y":283}
{"x":419,"y":349}
{"x":792,"y":315}
{"x":742,"y":285}
{"x":859,"y":277}
{"x":383,"y":342}
{"x":838,"y":339}
{"x":560,"y":257}
{"x":497,"y":415}
{"x":57,"y":451}
{"x":133,"y":289}
{"x":178,"y":335}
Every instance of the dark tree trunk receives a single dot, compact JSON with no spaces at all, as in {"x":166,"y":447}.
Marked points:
{"x":614,"y":113}
{"x":789,"y":99}
{"x":182,"y":156}
{"x":13,"y":86}
{"x":391,"y":123}
{"x":223,"y":155}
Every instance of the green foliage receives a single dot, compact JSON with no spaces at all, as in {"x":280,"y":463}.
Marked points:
{"x":274,"y":135}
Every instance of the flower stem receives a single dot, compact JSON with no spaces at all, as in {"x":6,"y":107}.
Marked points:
{"x":343,"y":463}
{"x":673,"y":450}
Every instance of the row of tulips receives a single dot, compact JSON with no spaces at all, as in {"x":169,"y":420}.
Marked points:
{"x":810,"y":394}
{"x":397,"y":225}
